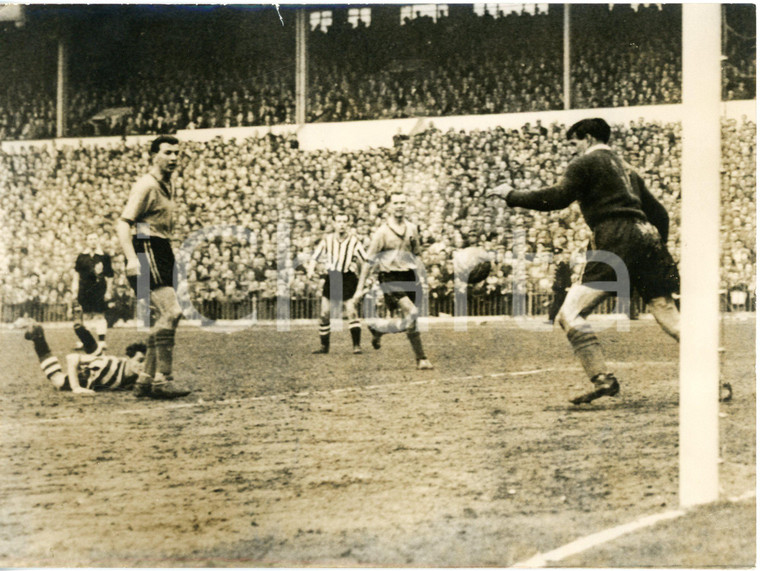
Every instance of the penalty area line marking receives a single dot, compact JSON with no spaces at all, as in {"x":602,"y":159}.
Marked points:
{"x":201,"y":402}
{"x":233,"y":401}
{"x":595,"y":539}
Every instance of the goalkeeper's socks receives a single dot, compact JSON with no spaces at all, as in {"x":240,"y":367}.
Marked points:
{"x":587,"y":348}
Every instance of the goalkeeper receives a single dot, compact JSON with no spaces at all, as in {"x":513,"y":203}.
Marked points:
{"x":625,"y":220}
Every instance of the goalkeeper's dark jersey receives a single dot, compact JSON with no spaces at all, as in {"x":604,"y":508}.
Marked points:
{"x":605,"y":187}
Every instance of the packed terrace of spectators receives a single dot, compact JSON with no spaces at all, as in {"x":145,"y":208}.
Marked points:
{"x":228,"y":67}
{"x":264,"y":204}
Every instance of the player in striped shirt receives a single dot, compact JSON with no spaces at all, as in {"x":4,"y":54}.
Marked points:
{"x":91,"y":371}
{"x":394,"y":252}
{"x":340,"y":252}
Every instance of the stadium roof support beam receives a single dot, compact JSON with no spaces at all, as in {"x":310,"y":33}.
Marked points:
{"x":302,"y":65}
{"x":62,"y":81}
{"x":566,"y":83}
{"x":700,"y":255}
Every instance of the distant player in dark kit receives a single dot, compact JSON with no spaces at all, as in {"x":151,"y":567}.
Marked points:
{"x":394,"y":251}
{"x":89,"y":372}
{"x":627,"y":221}
{"x":339,"y":251}
{"x":91,"y":285}
{"x":144,"y":231}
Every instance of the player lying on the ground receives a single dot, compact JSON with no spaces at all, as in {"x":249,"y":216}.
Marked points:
{"x":89,"y":371}
{"x":627,"y":221}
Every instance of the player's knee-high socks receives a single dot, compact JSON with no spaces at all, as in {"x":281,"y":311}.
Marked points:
{"x":41,"y":348}
{"x":416,"y":341}
{"x":588,"y":349}
{"x":149,"y":369}
{"x":52,"y":369}
{"x":355,"y":328}
{"x":324,"y":332}
{"x":49,"y":364}
{"x":88,"y":341}
{"x":165,"y":351}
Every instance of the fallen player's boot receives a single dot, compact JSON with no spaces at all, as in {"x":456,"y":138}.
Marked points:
{"x":605,"y":385}
{"x":376,"y":335}
{"x":167,"y":389}
{"x":34,"y":331}
{"x":424,"y":365}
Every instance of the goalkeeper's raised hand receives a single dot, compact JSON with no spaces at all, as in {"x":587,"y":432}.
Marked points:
{"x":500,"y":191}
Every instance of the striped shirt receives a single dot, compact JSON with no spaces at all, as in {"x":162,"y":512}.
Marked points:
{"x":101,"y":372}
{"x":338,"y":254}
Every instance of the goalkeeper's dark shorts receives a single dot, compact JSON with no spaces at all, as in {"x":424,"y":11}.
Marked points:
{"x":650,"y":267}
{"x":398,"y":285}
{"x":156,"y":261}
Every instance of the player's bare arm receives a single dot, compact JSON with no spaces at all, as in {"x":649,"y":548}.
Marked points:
{"x":72,"y":369}
{"x":374,"y":247}
{"x":124,"y":234}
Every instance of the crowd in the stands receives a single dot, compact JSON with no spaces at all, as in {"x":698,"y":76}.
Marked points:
{"x":250,"y":212}
{"x":202,"y":70}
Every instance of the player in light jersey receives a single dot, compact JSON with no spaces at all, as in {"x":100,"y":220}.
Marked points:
{"x":89,"y":372}
{"x":339,"y":252}
{"x":394,"y":252}
{"x":145,"y":231}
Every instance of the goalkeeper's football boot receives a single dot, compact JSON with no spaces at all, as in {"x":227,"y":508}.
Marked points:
{"x":424,"y":365}
{"x":605,"y":385}
{"x":726,"y":392}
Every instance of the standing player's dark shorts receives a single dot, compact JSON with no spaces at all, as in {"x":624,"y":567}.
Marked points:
{"x":92,"y":304}
{"x":156,"y":260}
{"x":349,"y":279}
{"x":396,"y":285}
{"x":651,"y":268}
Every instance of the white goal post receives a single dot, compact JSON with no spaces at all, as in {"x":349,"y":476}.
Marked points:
{"x":700,"y":255}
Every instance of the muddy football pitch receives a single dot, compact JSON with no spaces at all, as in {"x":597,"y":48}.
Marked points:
{"x":287,"y":459}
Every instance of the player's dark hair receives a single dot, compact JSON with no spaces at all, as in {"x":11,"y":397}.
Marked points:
{"x":155,"y":146}
{"x":597,"y":128}
{"x":136,"y":348}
